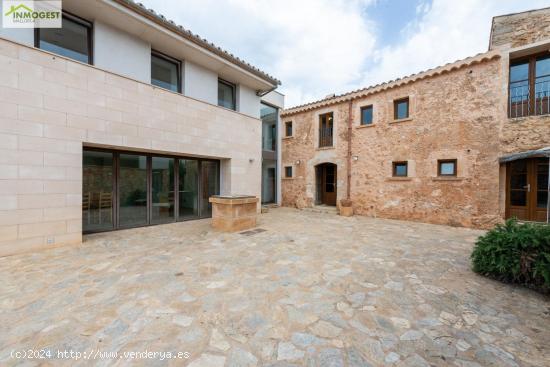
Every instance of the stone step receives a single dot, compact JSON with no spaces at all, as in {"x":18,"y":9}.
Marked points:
{"x":322,"y":209}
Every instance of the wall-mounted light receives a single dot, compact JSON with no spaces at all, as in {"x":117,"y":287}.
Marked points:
{"x":355,"y":158}
{"x":298,"y":162}
{"x":251,"y":160}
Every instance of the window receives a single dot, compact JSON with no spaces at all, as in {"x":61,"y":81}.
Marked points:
{"x":400,"y":169}
{"x":165,"y":72}
{"x":288,"y":128}
{"x":226,"y":94}
{"x":401,"y":109}
{"x":530,"y":86}
{"x":446,"y":167}
{"x":288,"y":172}
{"x":326,"y":124}
{"x":366,"y":115}
{"x":72,"y":40}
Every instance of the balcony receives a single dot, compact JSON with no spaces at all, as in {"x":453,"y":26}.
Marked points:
{"x":325,"y":137}
{"x":522,"y":102}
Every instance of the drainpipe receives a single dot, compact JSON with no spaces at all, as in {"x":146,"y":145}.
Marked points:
{"x":348,"y":187}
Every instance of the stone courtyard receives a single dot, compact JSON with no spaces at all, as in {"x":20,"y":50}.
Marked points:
{"x":308,"y":289}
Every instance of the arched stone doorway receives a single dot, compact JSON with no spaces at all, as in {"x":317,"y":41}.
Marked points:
{"x":325,"y":184}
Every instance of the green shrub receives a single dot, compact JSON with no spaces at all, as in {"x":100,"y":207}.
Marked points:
{"x":515,"y":252}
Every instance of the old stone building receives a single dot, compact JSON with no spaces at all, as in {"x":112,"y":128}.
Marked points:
{"x":462,"y":144}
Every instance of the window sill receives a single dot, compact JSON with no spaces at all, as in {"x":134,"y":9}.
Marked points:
{"x":287,"y":178}
{"x":449,"y":178}
{"x":401,"y":120}
{"x":399,"y":178}
{"x":522,"y":118}
{"x":287,"y":137}
{"x":325,"y":148}
{"x":365,"y":126}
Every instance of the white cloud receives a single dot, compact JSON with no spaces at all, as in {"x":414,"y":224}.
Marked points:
{"x":317,"y":47}
{"x":444,"y":32}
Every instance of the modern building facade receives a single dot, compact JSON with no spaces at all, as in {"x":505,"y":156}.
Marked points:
{"x":123,"y":119}
{"x":465,"y":144}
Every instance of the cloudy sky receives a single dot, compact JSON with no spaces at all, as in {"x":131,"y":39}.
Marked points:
{"x":319,"y":47}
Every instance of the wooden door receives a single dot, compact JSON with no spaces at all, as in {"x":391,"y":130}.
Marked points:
{"x":527,"y":196}
{"x":329,"y":184}
{"x":540,"y":190}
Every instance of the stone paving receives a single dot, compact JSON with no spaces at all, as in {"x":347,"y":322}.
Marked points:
{"x":311,"y":290}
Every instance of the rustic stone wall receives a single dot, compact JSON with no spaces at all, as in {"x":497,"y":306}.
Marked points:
{"x":456,"y":115}
{"x":520,"y":29}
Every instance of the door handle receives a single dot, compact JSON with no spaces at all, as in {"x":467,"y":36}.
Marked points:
{"x":528,"y":187}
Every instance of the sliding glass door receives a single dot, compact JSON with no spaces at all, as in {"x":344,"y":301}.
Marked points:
{"x":162,"y":186}
{"x":132,"y":189}
{"x":188,"y":189}
{"x":125,"y":189}
{"x":97,"y":191}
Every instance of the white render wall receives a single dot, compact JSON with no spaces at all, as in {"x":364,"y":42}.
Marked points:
{"x":52,"y":106}
{"x":121,"y":53}
{"x":200,"y":83}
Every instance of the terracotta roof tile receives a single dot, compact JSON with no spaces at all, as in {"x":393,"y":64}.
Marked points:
{"x":479,"y":58}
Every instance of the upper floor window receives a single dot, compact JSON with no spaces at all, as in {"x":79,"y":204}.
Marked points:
{"x":530,"y":86}
{"x":326,"y":125}
{"x":400,"y":169}
{"x":288,"y":171}
{"x":165,"y":72}
{"x":288,"y":128}
{"x":72,"y":40}
{"x":366,"y":115}
{"x":401,"y":108}
{"x":226,"y":94}
{"x":446,"y":167}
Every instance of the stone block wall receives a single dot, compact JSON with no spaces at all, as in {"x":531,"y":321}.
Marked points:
{"x":520,"y":29}
{"x":53,"y":106}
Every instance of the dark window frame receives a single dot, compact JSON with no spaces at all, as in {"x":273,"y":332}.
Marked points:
{"x":287,"y":125}
{"x":531,"y":60}
{"x":173,"y":61}
{"x":400,"y":163}
{"x":443,"y":161}
{"x":149,"y":155}
{"x":234,"y":87}
{"x":81,"y":21}
{"x":325,"y":140}
{"x":396,"y":102}
{"x":363,"y":109}
{"x":287,"y":170}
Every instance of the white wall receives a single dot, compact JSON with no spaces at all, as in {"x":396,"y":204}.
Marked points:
{"x":247,"y":101}
{"x":200,"y":83}
{"x":21,"y":35}
{"x":121,"y":53}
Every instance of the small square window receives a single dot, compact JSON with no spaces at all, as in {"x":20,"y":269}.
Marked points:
{"x":400,"y":169}
{"x":446,"y":167}
{"x":401,"y":108}
{"x":288,"y":171}
{"x":288,"y":128}
{"x":366,"y":115}
{"x":226,"y":95}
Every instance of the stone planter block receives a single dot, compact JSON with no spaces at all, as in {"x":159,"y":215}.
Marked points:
{"x":233,"y":213}
{"x":346,"y":211}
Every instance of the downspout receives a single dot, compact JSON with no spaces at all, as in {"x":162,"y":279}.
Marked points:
{"x":350,"y":126}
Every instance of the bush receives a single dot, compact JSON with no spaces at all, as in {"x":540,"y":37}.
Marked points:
{"x":515,"y":252}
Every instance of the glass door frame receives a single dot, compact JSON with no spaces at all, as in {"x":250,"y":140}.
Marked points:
{"x":149,"y":156}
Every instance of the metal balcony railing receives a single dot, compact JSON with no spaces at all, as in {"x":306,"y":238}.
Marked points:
{"x":522,"y":103}
{"x":325,"y":137}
